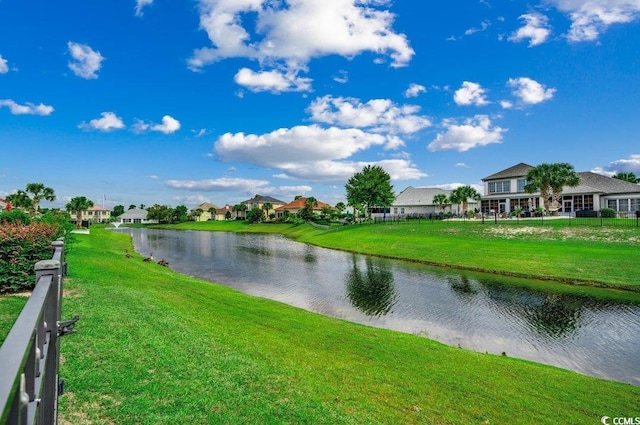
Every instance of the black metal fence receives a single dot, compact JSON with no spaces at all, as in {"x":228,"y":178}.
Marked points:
{"x":30,"y":355}
{"x":597,"y":220}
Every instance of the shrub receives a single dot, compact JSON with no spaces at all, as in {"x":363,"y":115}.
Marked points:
{"x":15,"y":216}
{"x":21,"y":246}
{"x":607,"y":213}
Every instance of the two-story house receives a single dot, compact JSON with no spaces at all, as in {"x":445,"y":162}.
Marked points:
{"x":504,"y":191}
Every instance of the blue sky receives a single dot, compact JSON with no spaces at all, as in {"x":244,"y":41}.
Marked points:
{"x":181,"y":102}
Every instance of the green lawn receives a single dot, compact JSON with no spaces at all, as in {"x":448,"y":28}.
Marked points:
{"x":156,"y":347}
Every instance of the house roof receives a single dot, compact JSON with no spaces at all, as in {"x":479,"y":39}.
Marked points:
{"x":205,"y":206}
{"x":300,"y":203}
{"x":418,"y":195}
{"x":517,"y":170}
{"x":98,"y":208}
{"x":224,"y":209}
{"x":259,"y":199}
{"x":135,"y":213}
{"x":597,"y":183}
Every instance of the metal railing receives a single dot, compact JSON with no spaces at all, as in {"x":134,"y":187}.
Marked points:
{"x":30,"y":355}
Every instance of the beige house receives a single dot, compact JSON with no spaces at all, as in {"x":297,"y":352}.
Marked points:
{"x":206,"y":214}
{"x":258,"y":201}
{"x":94,"y":214}
{"x":504,"y":191}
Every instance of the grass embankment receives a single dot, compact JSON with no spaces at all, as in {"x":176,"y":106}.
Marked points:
{"x":156,"y":347}
{"x":592,"y":256}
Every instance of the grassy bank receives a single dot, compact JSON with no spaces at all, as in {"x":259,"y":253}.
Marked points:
{"x":156,"y":347}
{"x":600,"y":256}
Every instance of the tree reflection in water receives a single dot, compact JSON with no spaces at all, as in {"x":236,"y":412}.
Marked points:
{"x":371,"y":292}
{"x":552,"y":315}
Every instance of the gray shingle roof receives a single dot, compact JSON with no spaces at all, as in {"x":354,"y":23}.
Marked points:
{"x":418,"y":195}
{"x":134,"y":213}
{"x":262,"y":199}
{"x":517,"y":170}
{"x":597,"y":183}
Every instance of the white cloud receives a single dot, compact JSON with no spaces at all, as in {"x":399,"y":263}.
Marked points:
{"x":529,"y":91}
{"x":590,"y":18}
{"x":483,"y":27}
{"x":628,"y":165}
{"x":273,"y":81}
{"x":506,"y":104}
{"x":342,"y":77}
{"x":140,"y":4}
{"x":26,"y":109}
{"x":108,"y":122}
{"x":474,"y":132}
{"x":294,"y":32}
{"x":169,"y":125}
{"x":470,"y":94}
{"x":4,"y":67}
{"x":414,"y":90}
{"x":536,"y":29}
{"x":305,"y":152}
{"x":227,"y":184}
{"x":378,"y":115}
{"x":86,"y":61}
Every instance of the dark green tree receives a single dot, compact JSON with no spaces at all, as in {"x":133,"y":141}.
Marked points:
{"x":549,"y":179}
{"x":370,"y":188}
{"x":78,"y":204}
{"x":628,"y":177}
{"x":255,"y":215}
{"x":180,"y":214}
{"x":38,"y":193}
{"x":440,"y":199}
{"x":21,"y":200}
{"x":118,"y":210}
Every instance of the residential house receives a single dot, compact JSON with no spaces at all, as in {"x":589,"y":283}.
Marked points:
{"x":221,"y":213}
{"x":206,"y":214}
{"x":296,"y":205}
{"x":419,"y":201}
{"x":95,"y":214}
{"x":258,"y":201}
{"x":3,"y":205}
{"x":135,"y":215}
{"x":504,"y":191}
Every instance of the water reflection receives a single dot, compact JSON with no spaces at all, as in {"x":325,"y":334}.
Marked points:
{"x":371,"y":291}
{"x":487,"y":313}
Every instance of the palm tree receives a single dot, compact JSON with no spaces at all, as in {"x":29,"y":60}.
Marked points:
{"x":628,"y":177}
{"x":462,"y":194}
{"x":212,"y":211}
{"x":266,"y":207}
{"x":39,"y":192}
{"x":441,"y":200}
{"x":20,"y":199}
{"x":78,"y":204}
{"x":197,"y":213}
{"x":311,"y":202}
{"x":549,"y":179}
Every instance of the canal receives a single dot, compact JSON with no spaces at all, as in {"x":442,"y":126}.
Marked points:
{"x":475,"y":311}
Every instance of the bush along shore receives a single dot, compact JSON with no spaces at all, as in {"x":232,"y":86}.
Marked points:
{"x":157,"y":347}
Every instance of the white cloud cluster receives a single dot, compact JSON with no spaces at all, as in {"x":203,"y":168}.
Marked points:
{"x":108,"y":122}
{"x":590,"y":18}
{"x":26,"y":109}
{"x":291,"y":34}
{"x":378,"y":115}
{"x":273,"y":81}
{"x":247,"y":186}
{"x":470,"y":94}
{"x":140,"y":4}
{"x":530,"y":92}
{"x":86,"y":61}
{"x":473,"y":132}
{"x":414,"y":90}
{"x":536,"y":29}
{"x":628,"y":165}
{"x":4,"y":66}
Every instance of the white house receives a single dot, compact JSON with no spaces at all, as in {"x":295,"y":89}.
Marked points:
{"x":135,"y":215}
{"x":419,"y":201}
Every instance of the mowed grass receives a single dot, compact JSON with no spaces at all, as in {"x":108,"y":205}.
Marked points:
{"x":156,"y":347}
{"x":592,"y":256}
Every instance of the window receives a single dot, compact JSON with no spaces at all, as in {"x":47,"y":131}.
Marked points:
{"x":613,"y":204}
{"x":623,"y":205}
{"x":521,"y":183}
{"x":500,"y":187}
{"x":395,"y":210}
{"x":401,"y":210}
{"x":635,"y":204}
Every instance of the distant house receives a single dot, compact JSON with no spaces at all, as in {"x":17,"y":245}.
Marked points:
{"x":221,"y":213}
{"x":258,"y":201}
{"x":95,"y":214}
{"x":504,"y":191}
{"x":206,"y":215}
{"x":296,"y":205}
{"x":3,"y":205}
{"x":419,"y":201}
{"x":136,"y":215}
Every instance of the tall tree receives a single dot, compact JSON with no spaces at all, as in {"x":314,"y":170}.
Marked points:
{"x":266,"y":207}
{"x":441,"y":200}
{"x":118,"y":210}
{"x":370,"y":188}
{"x":549,"y":179}
{"x":78,"y":204}
{"x":39,"y":192}
{"x":628,"y":177}
{"x":20,"y":199}
{"x":462,"y":194}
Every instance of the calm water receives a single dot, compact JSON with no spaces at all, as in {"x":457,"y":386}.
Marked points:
{"x":470,"y":310}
